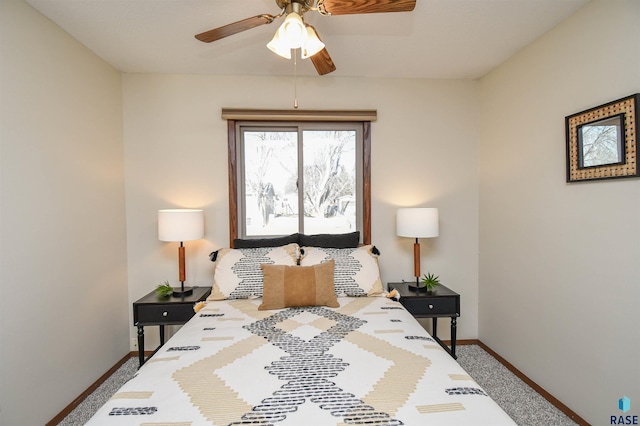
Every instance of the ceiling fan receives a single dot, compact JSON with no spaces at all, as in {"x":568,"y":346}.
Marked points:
{"x":295,"y":33}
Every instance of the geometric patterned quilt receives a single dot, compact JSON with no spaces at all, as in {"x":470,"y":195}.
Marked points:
{"x":368,"y":362}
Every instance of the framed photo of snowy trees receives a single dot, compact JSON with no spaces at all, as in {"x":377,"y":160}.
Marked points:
{"x":602,"y":141}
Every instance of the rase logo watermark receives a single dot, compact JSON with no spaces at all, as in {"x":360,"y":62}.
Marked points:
{"x":624,"y":405}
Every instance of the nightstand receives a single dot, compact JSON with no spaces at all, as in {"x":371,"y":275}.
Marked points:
{"x":441,"y":302}
{"x":155,"y":310}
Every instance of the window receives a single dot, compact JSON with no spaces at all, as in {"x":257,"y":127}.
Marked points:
{"x":301,"y":176}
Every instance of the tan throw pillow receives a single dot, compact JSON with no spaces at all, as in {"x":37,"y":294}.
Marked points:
{"x":294,"y":286}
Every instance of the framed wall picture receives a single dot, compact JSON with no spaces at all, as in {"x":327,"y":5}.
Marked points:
{"x":602,"y":141}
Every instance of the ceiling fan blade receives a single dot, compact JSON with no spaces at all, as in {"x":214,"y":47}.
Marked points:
{"x":348,"y":7}
{"x":234,"y":28}
{"x":321,"y":60}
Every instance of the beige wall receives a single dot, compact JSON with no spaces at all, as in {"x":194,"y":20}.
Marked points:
{"x":560,"y":263}
{"x":63,"y":289}
{"x":424,"y":152}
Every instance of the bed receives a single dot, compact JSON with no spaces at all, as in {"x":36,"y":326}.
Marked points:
{"x":273,"y":345}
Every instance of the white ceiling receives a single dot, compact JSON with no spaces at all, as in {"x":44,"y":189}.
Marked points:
{"x":439,"y":39}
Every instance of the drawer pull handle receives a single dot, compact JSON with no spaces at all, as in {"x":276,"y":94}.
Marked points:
{"x":430,"y":306}
{"x":164,"y":314}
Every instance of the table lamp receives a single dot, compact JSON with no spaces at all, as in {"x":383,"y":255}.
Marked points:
{"x":180,"y":225}
{"x":417,"y":223}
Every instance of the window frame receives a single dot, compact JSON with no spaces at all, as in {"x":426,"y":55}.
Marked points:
{"x":234,"y":117}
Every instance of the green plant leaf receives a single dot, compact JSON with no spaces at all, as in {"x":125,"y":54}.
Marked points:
{"x":430,"y":280}
{"x":164,"y":289}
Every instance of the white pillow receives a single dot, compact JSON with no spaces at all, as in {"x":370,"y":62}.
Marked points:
{"x":356,"y":270}
{"x":238,"y":275}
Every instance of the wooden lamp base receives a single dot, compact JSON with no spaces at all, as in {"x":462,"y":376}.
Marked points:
{"x":182,"y":291}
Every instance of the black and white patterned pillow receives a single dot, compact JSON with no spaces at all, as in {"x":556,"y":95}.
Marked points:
{"x":238,"y":275}
{"x":356,"y":270}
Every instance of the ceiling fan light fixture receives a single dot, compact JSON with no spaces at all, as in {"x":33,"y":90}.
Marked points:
{"x":293,"y":31}
{"x":295,"y":34}
{"x":277,"y":46}
{"x":313,"y":44}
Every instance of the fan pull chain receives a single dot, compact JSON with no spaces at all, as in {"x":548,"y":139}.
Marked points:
{"x":295,"y":78}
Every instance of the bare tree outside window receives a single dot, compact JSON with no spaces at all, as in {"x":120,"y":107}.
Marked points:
{"x":329,"y":181}
{"x":271,"y":174}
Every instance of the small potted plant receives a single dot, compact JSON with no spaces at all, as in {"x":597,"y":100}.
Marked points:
{"x":164,"y":289}
{"x":430,"y":281}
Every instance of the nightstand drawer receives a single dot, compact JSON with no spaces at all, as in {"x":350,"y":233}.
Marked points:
{"x":430,"y":306}
{"x":179,"y":313}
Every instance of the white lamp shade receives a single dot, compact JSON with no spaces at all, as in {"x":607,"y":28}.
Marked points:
{"x":313,"y":44}
{"x":180,"y":224}
{"x":277,"y":46}
{"x":292,"y":31}
{"x":417,"y":222}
